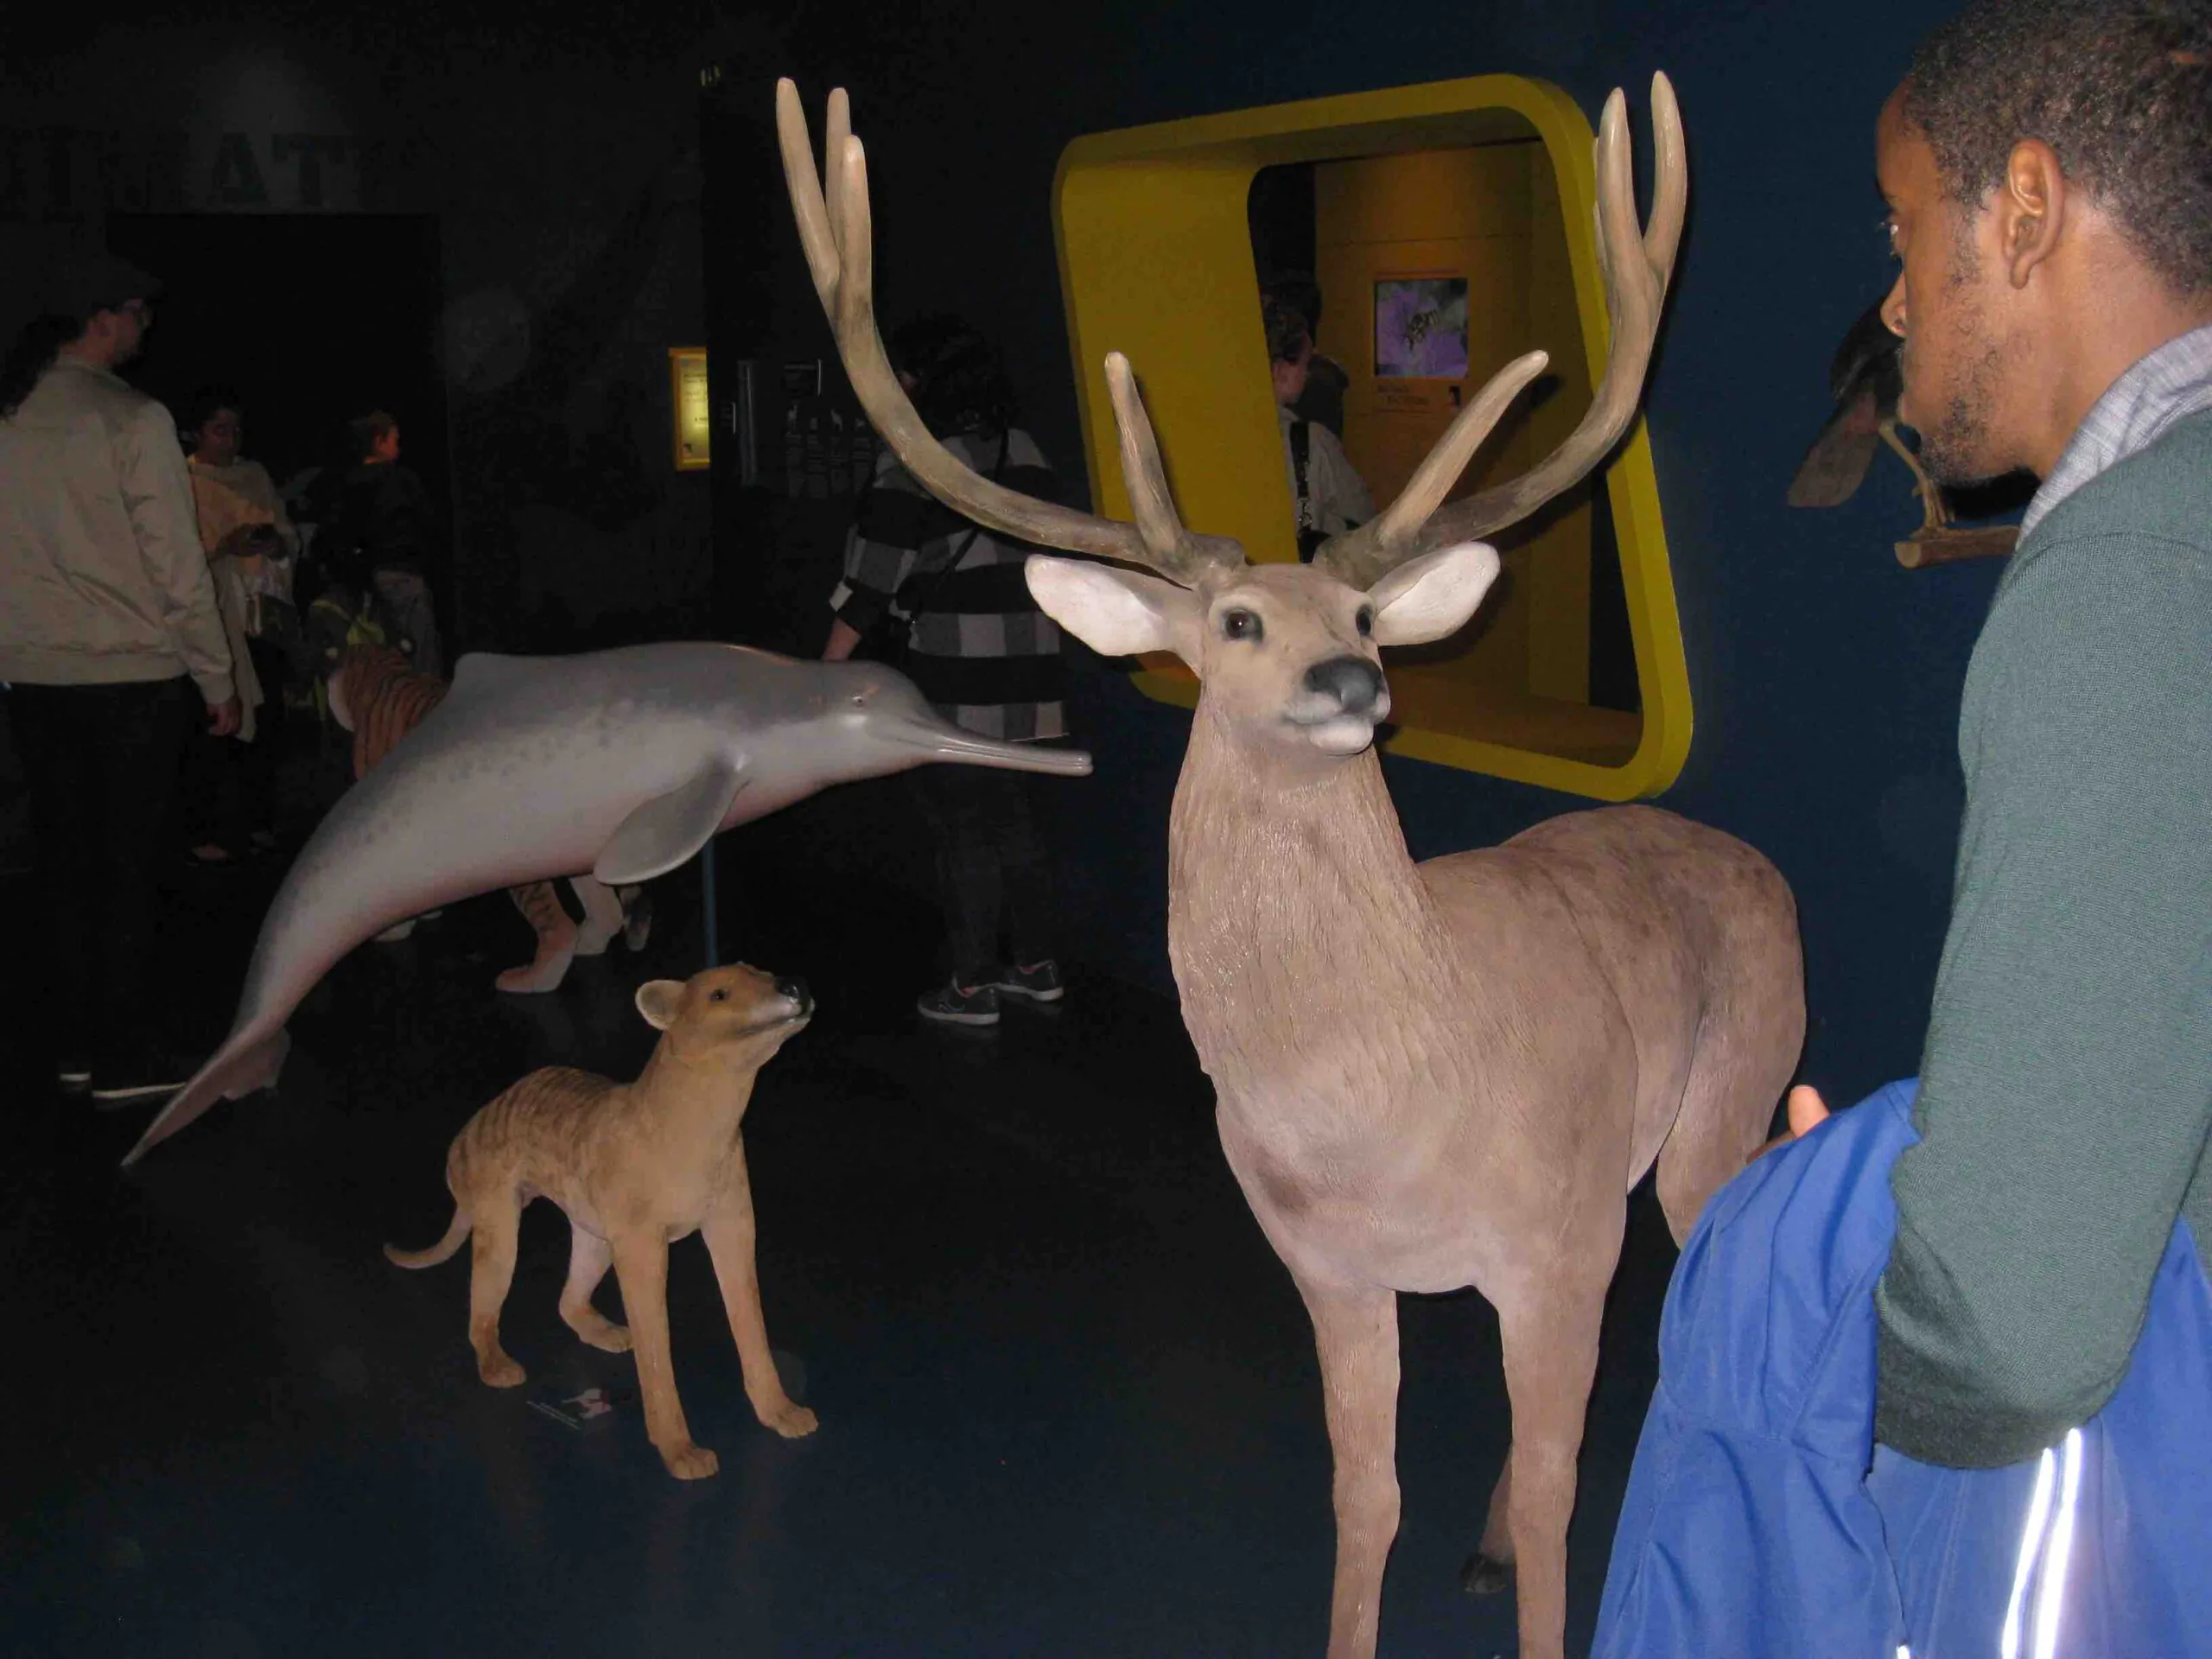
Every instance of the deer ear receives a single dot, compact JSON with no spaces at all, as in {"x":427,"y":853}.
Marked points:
{"x":1433,"y":596}
{"x":659,"y":1000}
{"x":1116,"y":613}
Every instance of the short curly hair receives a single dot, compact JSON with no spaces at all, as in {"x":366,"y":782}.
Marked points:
{"x":2121,"y":91}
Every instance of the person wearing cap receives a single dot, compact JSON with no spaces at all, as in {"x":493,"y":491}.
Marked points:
{"x":110,"y":615}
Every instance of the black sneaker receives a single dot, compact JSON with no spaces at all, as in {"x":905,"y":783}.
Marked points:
{"x":1039,"y":982}
{"x":138,"y":1073}
{"x":955,"y":1004}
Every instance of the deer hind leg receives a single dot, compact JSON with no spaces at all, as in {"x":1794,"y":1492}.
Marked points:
{"x":1728,"y":1102}
{"x":499,"y":1222}
{"x":1489,"y":1571}
{"x":1551,"y":1358}
{"x":589,"y":1257}
{"x":1356,"y":1334}
{"x":603,"y":916}
{"x":556,"y":940}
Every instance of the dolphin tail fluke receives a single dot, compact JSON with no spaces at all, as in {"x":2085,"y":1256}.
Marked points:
{"x":236,"y":1070}
{"x":456,"y":1236}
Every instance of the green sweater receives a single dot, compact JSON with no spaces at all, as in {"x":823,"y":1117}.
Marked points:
{"x":2067,"y":1087}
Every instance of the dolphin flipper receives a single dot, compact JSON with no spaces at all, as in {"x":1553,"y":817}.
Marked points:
{"x":667,"y":830}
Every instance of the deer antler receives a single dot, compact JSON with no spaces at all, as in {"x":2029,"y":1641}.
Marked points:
{"x":834,"y":225}
{"x":1637,"y":267}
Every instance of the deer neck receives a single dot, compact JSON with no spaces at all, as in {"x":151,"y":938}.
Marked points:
{"x":1297,"y":921}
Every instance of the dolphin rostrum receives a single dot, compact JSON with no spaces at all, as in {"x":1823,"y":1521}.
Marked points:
{"x":621,"y":764}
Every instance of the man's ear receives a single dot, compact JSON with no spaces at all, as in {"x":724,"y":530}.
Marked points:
{"x":1116,"y":613}
{"x":660,"y":1001}
{"x":1433,"y":596}
{"x":2031,"y":207}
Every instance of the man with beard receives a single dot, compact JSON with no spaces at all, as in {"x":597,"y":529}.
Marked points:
{"x":2038,"y":1460}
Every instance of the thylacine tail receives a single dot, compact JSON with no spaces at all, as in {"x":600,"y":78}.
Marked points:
{"x":456,"y":1236}
{"x":243,"y":1064}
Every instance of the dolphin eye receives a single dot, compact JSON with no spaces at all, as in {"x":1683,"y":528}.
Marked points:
{"x":1364,"y":621}
{"x":860,"y":699}
{"x":1241,"y":624}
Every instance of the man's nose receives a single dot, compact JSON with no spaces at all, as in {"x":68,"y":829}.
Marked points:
{"x":1893,"y":308}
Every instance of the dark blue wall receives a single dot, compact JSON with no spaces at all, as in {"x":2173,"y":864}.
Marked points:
{"x":1826,"y":677}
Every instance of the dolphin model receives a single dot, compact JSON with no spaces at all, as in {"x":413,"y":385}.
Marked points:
{"x":621,"y":764}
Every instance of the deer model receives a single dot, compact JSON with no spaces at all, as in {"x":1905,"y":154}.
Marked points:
{"x":1429,"y":1075}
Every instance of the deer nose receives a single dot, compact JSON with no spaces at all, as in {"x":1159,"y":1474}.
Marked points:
{"x":1355,"y":683}
{"x":797,"y":991}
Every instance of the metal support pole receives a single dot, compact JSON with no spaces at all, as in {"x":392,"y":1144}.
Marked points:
{"x":712,"y":919}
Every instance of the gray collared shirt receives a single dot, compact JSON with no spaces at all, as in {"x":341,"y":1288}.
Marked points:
{"x":2169,"y":385}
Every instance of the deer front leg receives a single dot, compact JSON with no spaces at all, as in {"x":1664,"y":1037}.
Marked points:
{"x":641,"y":1268}
{"x":1551,"y":1356}
{"x":1357,"y":1333}
{"x":730,"y":1232}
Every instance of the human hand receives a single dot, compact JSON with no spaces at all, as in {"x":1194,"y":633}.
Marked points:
{"x":843,"y":639}
{"x":223,"y":717}
{"x":1807,"y":1111}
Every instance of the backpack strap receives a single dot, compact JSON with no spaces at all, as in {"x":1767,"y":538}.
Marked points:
{"x":1309,"y":518}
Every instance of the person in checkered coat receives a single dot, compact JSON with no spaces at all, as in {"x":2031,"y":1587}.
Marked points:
{"x":948,"y":600}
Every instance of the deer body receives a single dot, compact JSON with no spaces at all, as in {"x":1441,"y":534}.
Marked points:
{"x":1427,"y":1076}
{"x":1431,"y":1076}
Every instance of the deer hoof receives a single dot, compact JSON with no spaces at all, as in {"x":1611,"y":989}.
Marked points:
{"x":1482,"y":1576}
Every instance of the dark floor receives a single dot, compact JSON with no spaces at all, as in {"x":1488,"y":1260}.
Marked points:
{"x":1068,"y":1398}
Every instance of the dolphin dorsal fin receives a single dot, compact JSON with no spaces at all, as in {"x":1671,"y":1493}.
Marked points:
{"x":662,"y":832}
{"x":481,"y":671}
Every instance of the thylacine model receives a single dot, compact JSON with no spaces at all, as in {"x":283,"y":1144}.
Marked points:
{"x":635,"y":1166}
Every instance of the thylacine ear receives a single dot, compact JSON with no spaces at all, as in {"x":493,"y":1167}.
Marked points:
{"x":1116,"y":613}
{"x":1433,"y":596}
{"x":659,"y":1000}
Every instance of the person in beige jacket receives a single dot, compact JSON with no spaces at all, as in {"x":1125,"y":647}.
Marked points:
{"x":106,"y":615}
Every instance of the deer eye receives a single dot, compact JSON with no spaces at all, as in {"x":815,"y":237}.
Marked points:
{"x":718,"y":996}
{"x":1241,"y":625}
{"x":1364,"y":621}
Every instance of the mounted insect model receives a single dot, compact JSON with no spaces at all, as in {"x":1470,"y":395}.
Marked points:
{"x":1429,"y":1075}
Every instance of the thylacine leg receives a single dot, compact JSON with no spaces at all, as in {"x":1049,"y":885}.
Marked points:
{"x":729,"y":1233}
{"x":589,"y":1257}
{"x":499,"y":1220}
{"x":1356,"y":1331}
{"x":641,"y":1268}
{"x":602,"y":915}
{"x":557,"y":939}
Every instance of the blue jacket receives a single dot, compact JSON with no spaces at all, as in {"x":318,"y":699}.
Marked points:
{"x":1762,"y":1520}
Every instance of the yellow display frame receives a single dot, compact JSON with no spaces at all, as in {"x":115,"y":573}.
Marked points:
{"x":1156,"y":262}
